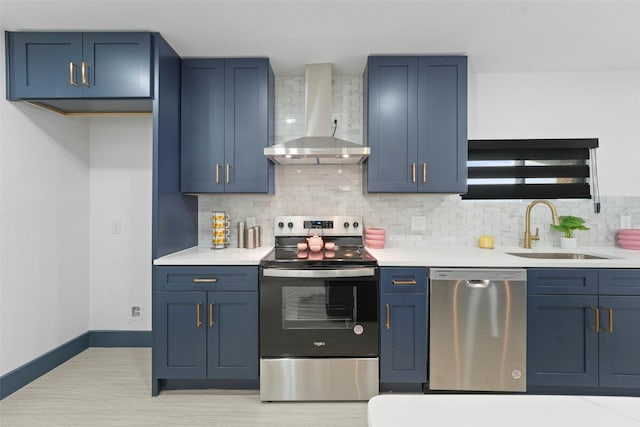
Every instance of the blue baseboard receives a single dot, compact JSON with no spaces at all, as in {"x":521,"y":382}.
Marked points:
{"x":120,"y":339}
{"x":30,"y":371}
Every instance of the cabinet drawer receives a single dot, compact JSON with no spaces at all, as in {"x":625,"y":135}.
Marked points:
{"x":403,"y":280}
{"x":619,"y":282}
{"x":562,"y":281}
{"x":223,"y":278}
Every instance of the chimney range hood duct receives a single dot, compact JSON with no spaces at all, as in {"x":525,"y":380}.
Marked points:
{"x":317,"y":146}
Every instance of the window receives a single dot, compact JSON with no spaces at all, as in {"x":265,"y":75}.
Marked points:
{"x":530,"y":168}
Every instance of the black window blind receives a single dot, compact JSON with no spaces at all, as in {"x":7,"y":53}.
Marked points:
{"x":529,"y":168}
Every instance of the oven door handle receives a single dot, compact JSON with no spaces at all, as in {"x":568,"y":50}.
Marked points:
{"x":320,"y":274}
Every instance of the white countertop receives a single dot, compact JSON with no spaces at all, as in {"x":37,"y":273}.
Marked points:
{"x":476,"y":257}
{"x":207,"y":256}
{"x":424,"y":257}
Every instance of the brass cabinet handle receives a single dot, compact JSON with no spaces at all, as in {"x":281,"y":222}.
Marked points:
{"x":85,"y":73}
{"x":387,"y":324}
{"x":424,"y":172}
{"x":610,"y":323}
{"x":404,"y":282}
{"x":217,"y":173}
{"x":198,"y":320}
{"x":199,"y":280}
{"x":211,"y":315}
{"x":596,"y":310}
{"x":227,"y":172}
{"x":72,"y":74}
{"x":413,"y":172}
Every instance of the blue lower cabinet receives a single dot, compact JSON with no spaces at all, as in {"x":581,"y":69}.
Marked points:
{"x":205,"y":324}
{"x":206,"y":335}
{"x":232,"y":338}
{"x":562,"y":349}
{"x":180,"y":349}
{"x":619,"y":341}
{"x":403,"y":325}
{"x":403,"y":338}
{"x":582,"y":330}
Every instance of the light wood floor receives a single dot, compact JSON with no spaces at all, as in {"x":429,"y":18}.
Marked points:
{"x":112,"y":387}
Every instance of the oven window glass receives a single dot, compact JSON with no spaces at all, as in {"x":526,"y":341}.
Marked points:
{"x":330,"y":306}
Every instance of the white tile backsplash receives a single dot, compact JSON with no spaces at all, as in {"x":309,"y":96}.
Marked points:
{"x":338,"y":190}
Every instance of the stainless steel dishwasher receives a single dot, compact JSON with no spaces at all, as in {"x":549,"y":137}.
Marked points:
{"x":477,"y":333}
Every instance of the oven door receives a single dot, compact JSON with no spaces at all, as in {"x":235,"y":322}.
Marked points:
{"x":306,"y":313}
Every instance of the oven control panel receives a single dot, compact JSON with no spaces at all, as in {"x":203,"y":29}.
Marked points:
{"x":322,"y":225}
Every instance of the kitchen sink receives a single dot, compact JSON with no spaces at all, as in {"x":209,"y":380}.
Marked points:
{"x":556,"y":255}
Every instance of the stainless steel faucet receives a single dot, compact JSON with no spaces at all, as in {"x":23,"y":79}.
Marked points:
{"x":527,"y":226}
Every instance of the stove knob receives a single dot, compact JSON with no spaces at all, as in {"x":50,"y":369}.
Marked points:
{"x":356,"y":225}
{"x":280,"y":224}
{"x":290,"y":225}
{"x":346,"y":225}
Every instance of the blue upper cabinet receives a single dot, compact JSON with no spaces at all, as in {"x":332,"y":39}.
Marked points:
{"x":227,"y":121}
{"x":55,"y":65}
{"x":416,"y":124}
{"x":392,"y":123}
{"x":44,"y":65}
{"x":202,"y":127}
{"x":442,"y":124}
{"x":116,"y":65}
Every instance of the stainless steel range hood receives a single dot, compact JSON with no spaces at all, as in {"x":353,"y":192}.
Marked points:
{"x":317,"y":146}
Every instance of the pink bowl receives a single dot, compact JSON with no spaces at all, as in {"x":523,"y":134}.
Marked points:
{"x":375,"y":238}
{"x":375,"y":244}
{"x":375,"y":231}
{"x":629,"y":237}
{"x":625,"y":245}
{"x":629,"y":231}
{"x":302,"y":246}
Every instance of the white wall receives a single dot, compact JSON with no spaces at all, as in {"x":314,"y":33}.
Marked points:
{"x":44,"y":225}
{"x":121,"y":163}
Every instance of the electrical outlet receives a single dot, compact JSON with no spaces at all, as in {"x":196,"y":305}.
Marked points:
{"x":136,"y":312}
{"x":418,"y":223}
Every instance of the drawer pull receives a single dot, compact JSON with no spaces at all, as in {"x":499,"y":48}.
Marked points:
{"x":198,"y":319}
{"x":424,"y":172}
{"x":72,"y":74}
{"x":85,"y":74}
{"x":596,"y":310}
{"x":211,"y":315}
{"x":227,"y":173}
{"x":610,"y":323}
{"x":217,"y":173}
{"x":199,"y":280}
{"x":404,"y":282}
{"x":387,"y":324}
{"x":413,"y":172}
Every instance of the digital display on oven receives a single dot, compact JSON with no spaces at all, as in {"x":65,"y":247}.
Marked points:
{"x":318,"y":224}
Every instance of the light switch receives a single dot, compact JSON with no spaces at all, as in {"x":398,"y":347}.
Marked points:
{"x":116,"y":226}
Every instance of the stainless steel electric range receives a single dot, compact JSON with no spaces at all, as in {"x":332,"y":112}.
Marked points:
{"x":318,"y":312}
